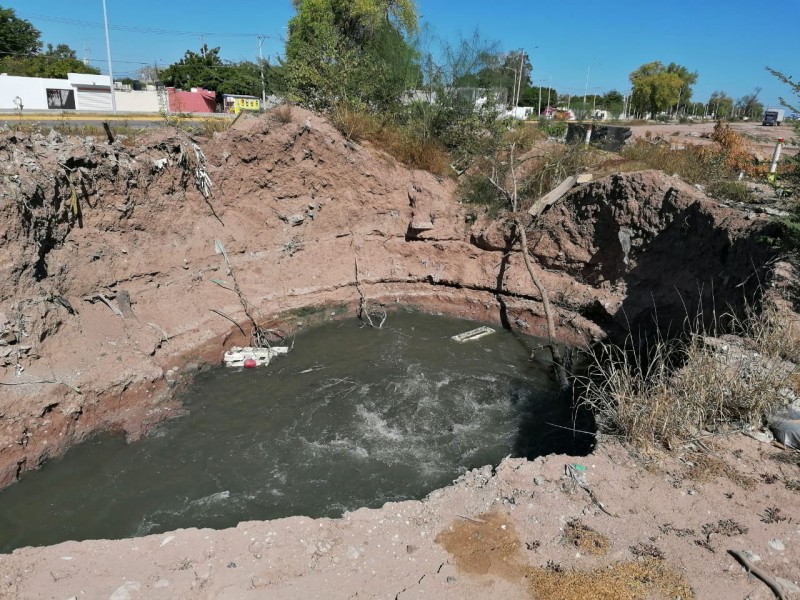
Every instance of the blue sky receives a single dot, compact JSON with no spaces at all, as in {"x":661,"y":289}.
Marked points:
{"x":727,"y":43}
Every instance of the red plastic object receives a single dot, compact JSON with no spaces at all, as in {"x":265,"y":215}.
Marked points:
{"x":250,"y":363}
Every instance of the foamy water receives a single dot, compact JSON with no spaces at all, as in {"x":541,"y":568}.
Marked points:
{"x":351,"y":417}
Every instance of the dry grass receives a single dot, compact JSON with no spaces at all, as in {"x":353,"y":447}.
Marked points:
{"x":282,"y":113}
{"x":690,"y":162}
{"x":586,"y":539}
{"x":633,"y":580}
{"x":705,"y":467}
{"x":402,"y":143}
{"x":708,"y":164}
{"x":675,"y":388}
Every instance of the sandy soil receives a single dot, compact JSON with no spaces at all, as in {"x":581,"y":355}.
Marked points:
{"x":295,"y":204}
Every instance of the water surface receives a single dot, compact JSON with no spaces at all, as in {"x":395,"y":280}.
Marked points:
{"x":351,"y":417}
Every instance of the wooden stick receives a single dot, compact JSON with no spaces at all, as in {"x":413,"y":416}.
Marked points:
{"x":70,"y":386}
{"x":474,"y":520}
{"x":763,"y":575}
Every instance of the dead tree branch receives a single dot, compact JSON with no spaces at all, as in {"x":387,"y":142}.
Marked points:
{"x":512,"y":197}
{"x":363,"y":305}
{"x":763,"y":575}
{"x":246,"y":305}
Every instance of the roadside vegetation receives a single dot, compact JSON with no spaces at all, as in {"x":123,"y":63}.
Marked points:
{"x":676,"y":389}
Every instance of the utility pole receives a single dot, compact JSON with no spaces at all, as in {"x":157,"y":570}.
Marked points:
{"x":108,"y":56}
{"x":586,"y":89}
{"x":261,"y":65}
{"x":540,"y":99}
{"x":549,"y":86}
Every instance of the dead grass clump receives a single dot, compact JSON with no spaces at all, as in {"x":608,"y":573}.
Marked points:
{"x":690,"y":162}
{"x":542,"y":170}
{"x":706,"y":468}
{"x":645,"y":550}
{"x":772,"y":514}
{"x":404,"y":143}
{"x":282,"y":113}
{"x":716,"y":164}
{"x":675,"y":388}
{"x":208,"y":127}
{"x":586,"y":539}
{"x":633,"y":580}
{"x":773,"y":333}
{"x":734,"y":151}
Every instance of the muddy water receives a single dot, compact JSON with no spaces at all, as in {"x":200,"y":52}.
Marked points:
{"x":351,"y":417}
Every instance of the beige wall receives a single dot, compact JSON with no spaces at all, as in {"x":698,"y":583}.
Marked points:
{"x":133,"y":101}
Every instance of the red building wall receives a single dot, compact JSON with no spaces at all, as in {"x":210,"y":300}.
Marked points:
{"x":200,"y":101}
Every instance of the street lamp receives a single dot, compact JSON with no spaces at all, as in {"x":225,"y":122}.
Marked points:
{"x":514,"y":87}
{"x":586,"y":89}
{"x":108,"y":56}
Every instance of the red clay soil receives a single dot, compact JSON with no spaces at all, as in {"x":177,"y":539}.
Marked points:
{"x":87,"y":225}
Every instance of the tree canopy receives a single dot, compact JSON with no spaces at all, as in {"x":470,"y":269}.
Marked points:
{"x":17,"y":36}
{"x":355,"y":51}
{"x":657,"y":88}
{"x":20,"y":47}
{"x":720,"y":105}
{"x":502,"y":70}
{"x":206,"y":69}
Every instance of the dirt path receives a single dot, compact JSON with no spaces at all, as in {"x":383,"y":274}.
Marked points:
{"x":762,"y":138}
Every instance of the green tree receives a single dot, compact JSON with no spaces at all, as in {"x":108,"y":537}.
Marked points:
{"x":55,"y":63}
{"x":206,"y":69}
{"x":17,"y":36}
{"x":720,"y":105}
{"x":354,"y":51}
{"x":19,"y":51}
{"x":748,"y":105}
{"x":501,"y":70}
{"x":688,"y":79}
{"x":657,"y":88}
{"x":613,"y":102}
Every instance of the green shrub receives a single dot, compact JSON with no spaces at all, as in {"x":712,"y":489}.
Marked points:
{"x":725,"y":189}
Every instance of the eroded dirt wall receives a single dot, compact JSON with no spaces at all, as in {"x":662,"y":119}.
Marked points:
{"x":87,"y":226}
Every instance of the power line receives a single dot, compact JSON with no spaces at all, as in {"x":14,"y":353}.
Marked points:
{"x":136,"y":28}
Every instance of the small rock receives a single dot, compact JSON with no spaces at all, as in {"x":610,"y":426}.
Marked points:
{"x":777,"y":545}
{"x":231,"y":565}
{"x":751,"y":556}
{"x":7,"y":338}
{"x":538,"y":480}
{"x":295,"y":219}
{"x":451,"y":579}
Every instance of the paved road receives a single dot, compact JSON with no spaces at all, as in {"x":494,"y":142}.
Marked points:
{"x":132,"y":119}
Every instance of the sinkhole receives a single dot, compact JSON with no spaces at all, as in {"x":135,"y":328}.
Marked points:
{"x":351,"y":417}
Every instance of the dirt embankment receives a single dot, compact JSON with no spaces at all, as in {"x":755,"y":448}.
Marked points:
{"x":110,"y":286}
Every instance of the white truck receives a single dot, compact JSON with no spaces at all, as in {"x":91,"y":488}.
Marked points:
{"x":773,"y":116}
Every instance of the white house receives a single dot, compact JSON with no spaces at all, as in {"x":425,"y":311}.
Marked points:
{"x":522,"y":113}
{"x":77,"y":92}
